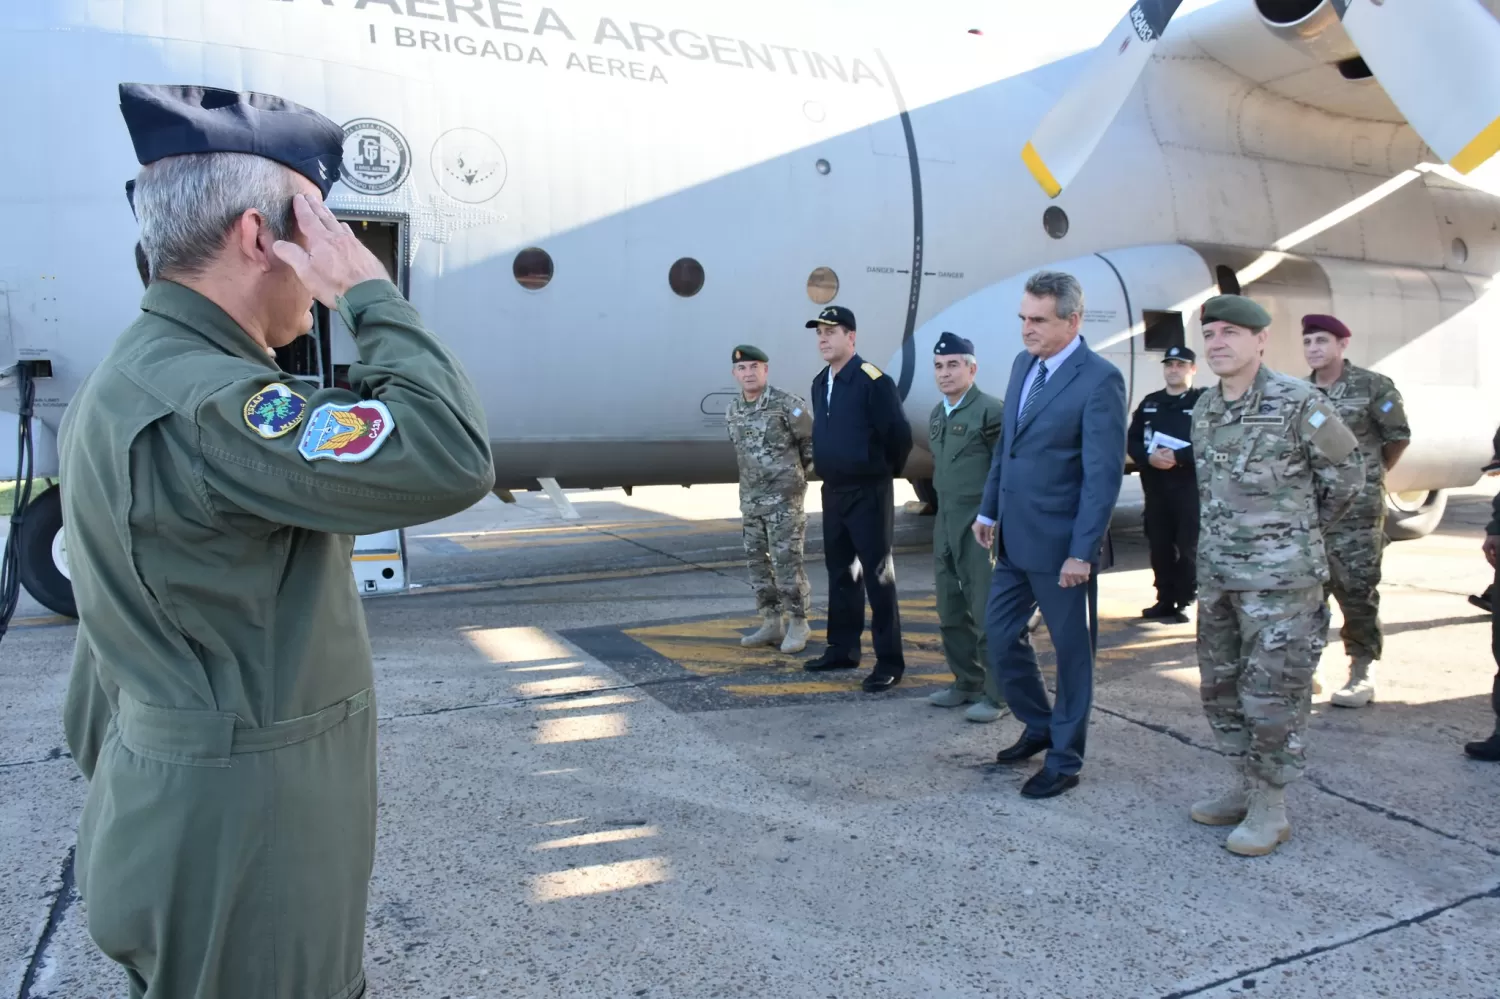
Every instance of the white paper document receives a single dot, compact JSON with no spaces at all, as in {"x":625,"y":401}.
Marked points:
{"x":1159,"y":439}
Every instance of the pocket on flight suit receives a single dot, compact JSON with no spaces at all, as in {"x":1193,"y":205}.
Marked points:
{"x":168,"y":854}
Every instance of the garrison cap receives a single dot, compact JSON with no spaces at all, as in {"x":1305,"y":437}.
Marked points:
{"x":952,"y":343}
{"x":1325,"y":324}
{"x":1236,"y":309}
{"x":1179,"y":354}
{"x":745,"y":352}
{"x":834,"y":315}
{"x":176,"y":120}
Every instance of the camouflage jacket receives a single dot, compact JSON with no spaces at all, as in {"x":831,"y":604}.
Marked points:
{"x":1370,"y":406}
{"x":772,"y":439}
{"x":1275,"y":468}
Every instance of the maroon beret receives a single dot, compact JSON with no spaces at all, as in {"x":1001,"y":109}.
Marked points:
{"x":1328,"y":324}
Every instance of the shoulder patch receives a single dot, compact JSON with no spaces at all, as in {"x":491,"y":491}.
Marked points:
{"x":352,"y":432}
{"x":870,"y":369}
{"x":1328,"y":434}
{"x":274,"y":411}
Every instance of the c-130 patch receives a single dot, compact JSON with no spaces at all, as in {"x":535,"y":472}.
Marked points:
{"x":352,"y":432}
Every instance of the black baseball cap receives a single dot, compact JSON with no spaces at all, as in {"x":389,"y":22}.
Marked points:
{"x":834,"y":315}
{"x":1179,"y":354}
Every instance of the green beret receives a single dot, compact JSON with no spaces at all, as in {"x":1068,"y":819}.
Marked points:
{"x":745,"y":352}
{"x":1236,"y":309}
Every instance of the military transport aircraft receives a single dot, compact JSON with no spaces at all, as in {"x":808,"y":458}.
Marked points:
{"x":593,"y":200}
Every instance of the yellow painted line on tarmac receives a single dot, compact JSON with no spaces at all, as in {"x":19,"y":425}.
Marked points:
{"x":825,"y":686}
{"x":41,"y":622}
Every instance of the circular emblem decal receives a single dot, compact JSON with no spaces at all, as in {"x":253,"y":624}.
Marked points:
{"x":376,"y":157}
{"x":468,"y":165}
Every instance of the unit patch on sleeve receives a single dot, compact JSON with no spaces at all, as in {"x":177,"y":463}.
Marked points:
{"x":346,"y":433}
{"x":274,"y":411}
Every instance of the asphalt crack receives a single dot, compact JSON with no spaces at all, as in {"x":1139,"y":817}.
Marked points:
{"x":1328,"y":948}
{"x":62,"y":901}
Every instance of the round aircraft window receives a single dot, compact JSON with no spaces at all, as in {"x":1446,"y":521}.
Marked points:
{"x":686,"y":277}
{"x":823,"y":167}
{"x":822,"y":285}
{"x":1055,"y":221}
{"x":532,"y":268}
{"x":1460,"y":251}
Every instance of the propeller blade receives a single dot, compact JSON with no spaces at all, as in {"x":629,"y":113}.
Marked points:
{"x":1071,"y":130}
{"x":1439,"y":60}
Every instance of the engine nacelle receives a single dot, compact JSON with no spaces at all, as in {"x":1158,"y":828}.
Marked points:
{"x":1311,"y":26}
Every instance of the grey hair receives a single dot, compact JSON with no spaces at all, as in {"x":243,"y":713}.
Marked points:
{"x":1063,"y":288}
{"x":969,"y":359}
{"x":187,"y":205}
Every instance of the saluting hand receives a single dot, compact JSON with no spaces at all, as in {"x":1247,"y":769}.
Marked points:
{"x":333,"y":260}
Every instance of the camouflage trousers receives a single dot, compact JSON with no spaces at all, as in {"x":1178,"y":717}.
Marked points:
{"x":1355,"y":546}
{"x":1257,"y":651}
{"x":774,"y":540}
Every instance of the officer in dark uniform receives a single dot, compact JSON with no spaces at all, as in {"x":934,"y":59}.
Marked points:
{"x":1159,"y":444}
{"x":860,"y":443}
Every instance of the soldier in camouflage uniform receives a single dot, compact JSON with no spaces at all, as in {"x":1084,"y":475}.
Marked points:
{"x":1370,"y":406}
{"x":772,"y":435}
{"x":1276,"y":466}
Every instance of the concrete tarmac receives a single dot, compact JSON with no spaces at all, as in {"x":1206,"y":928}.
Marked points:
{"x":589,"y":789}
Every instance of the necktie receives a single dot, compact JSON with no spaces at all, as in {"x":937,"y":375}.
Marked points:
{"x":1036,"y":390}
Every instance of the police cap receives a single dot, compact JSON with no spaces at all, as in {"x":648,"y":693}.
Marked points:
{"x":834,"y":315}
{"x":952,"y":343}
{"x":1236,"y":309}
{"x":1179,"y":354}
{"x":1325,"y":324}
{"x":175,"y":120}
{"x":745,"y":352}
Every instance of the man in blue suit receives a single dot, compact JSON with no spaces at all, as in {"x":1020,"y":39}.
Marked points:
{"x":1052,"y":486}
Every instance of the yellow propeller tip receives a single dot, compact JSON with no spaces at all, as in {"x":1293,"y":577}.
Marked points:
{"x":1033,"y":161}
{"x":1485,"y":145}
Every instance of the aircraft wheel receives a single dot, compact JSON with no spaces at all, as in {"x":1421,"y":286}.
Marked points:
{"x":926,"y":494}
{"x":44,"y":554}
{"x":1413,"y":515}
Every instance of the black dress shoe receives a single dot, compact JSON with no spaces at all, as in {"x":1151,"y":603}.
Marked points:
{"x":881,"y":679}
{"x":829,"y":661}
{"x":1485,"y":749}
{"x":1162,"y":608}
{"x":1048,"y":783}
{"x":1025,"y":748}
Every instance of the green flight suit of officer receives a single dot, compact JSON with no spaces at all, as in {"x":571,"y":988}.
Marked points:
{"x":962,"y":438}
{"x":221,"y":701}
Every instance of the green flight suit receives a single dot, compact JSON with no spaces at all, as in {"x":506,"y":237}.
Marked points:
{"x":221,"y":701}
{"x":962,"y":444}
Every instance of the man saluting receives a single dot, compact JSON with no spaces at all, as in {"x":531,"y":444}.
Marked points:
{"x":221,"y":701}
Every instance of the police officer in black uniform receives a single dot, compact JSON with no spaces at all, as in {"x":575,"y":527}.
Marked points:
{"x":1170,"y":484}
{"x":860,"y":443}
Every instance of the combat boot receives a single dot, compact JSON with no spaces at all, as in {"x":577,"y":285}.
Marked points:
{"x":1265,"y":826}
{"x":1360,"y":690}
{"x":1227,"y":809}
{"x":769,"y":632}
{"x":1485,"y":749}
{"x":797,"y":634}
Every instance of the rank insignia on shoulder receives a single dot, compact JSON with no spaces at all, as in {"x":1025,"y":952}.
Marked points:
{"x":870,"y":369}
{"x":274,"y":411}
{"x":352,"y":432}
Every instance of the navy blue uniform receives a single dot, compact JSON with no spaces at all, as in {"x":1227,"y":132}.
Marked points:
{"x":1171,"y":494}
{"x":860,"y":443}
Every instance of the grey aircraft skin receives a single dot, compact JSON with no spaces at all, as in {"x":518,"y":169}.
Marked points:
{"x":592,"y":202}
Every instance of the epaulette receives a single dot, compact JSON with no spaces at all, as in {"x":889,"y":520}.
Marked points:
{"x":870,"y":369}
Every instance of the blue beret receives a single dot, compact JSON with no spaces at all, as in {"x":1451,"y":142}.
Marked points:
{"x":952,"y":343}
{"x":174,"y":121}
